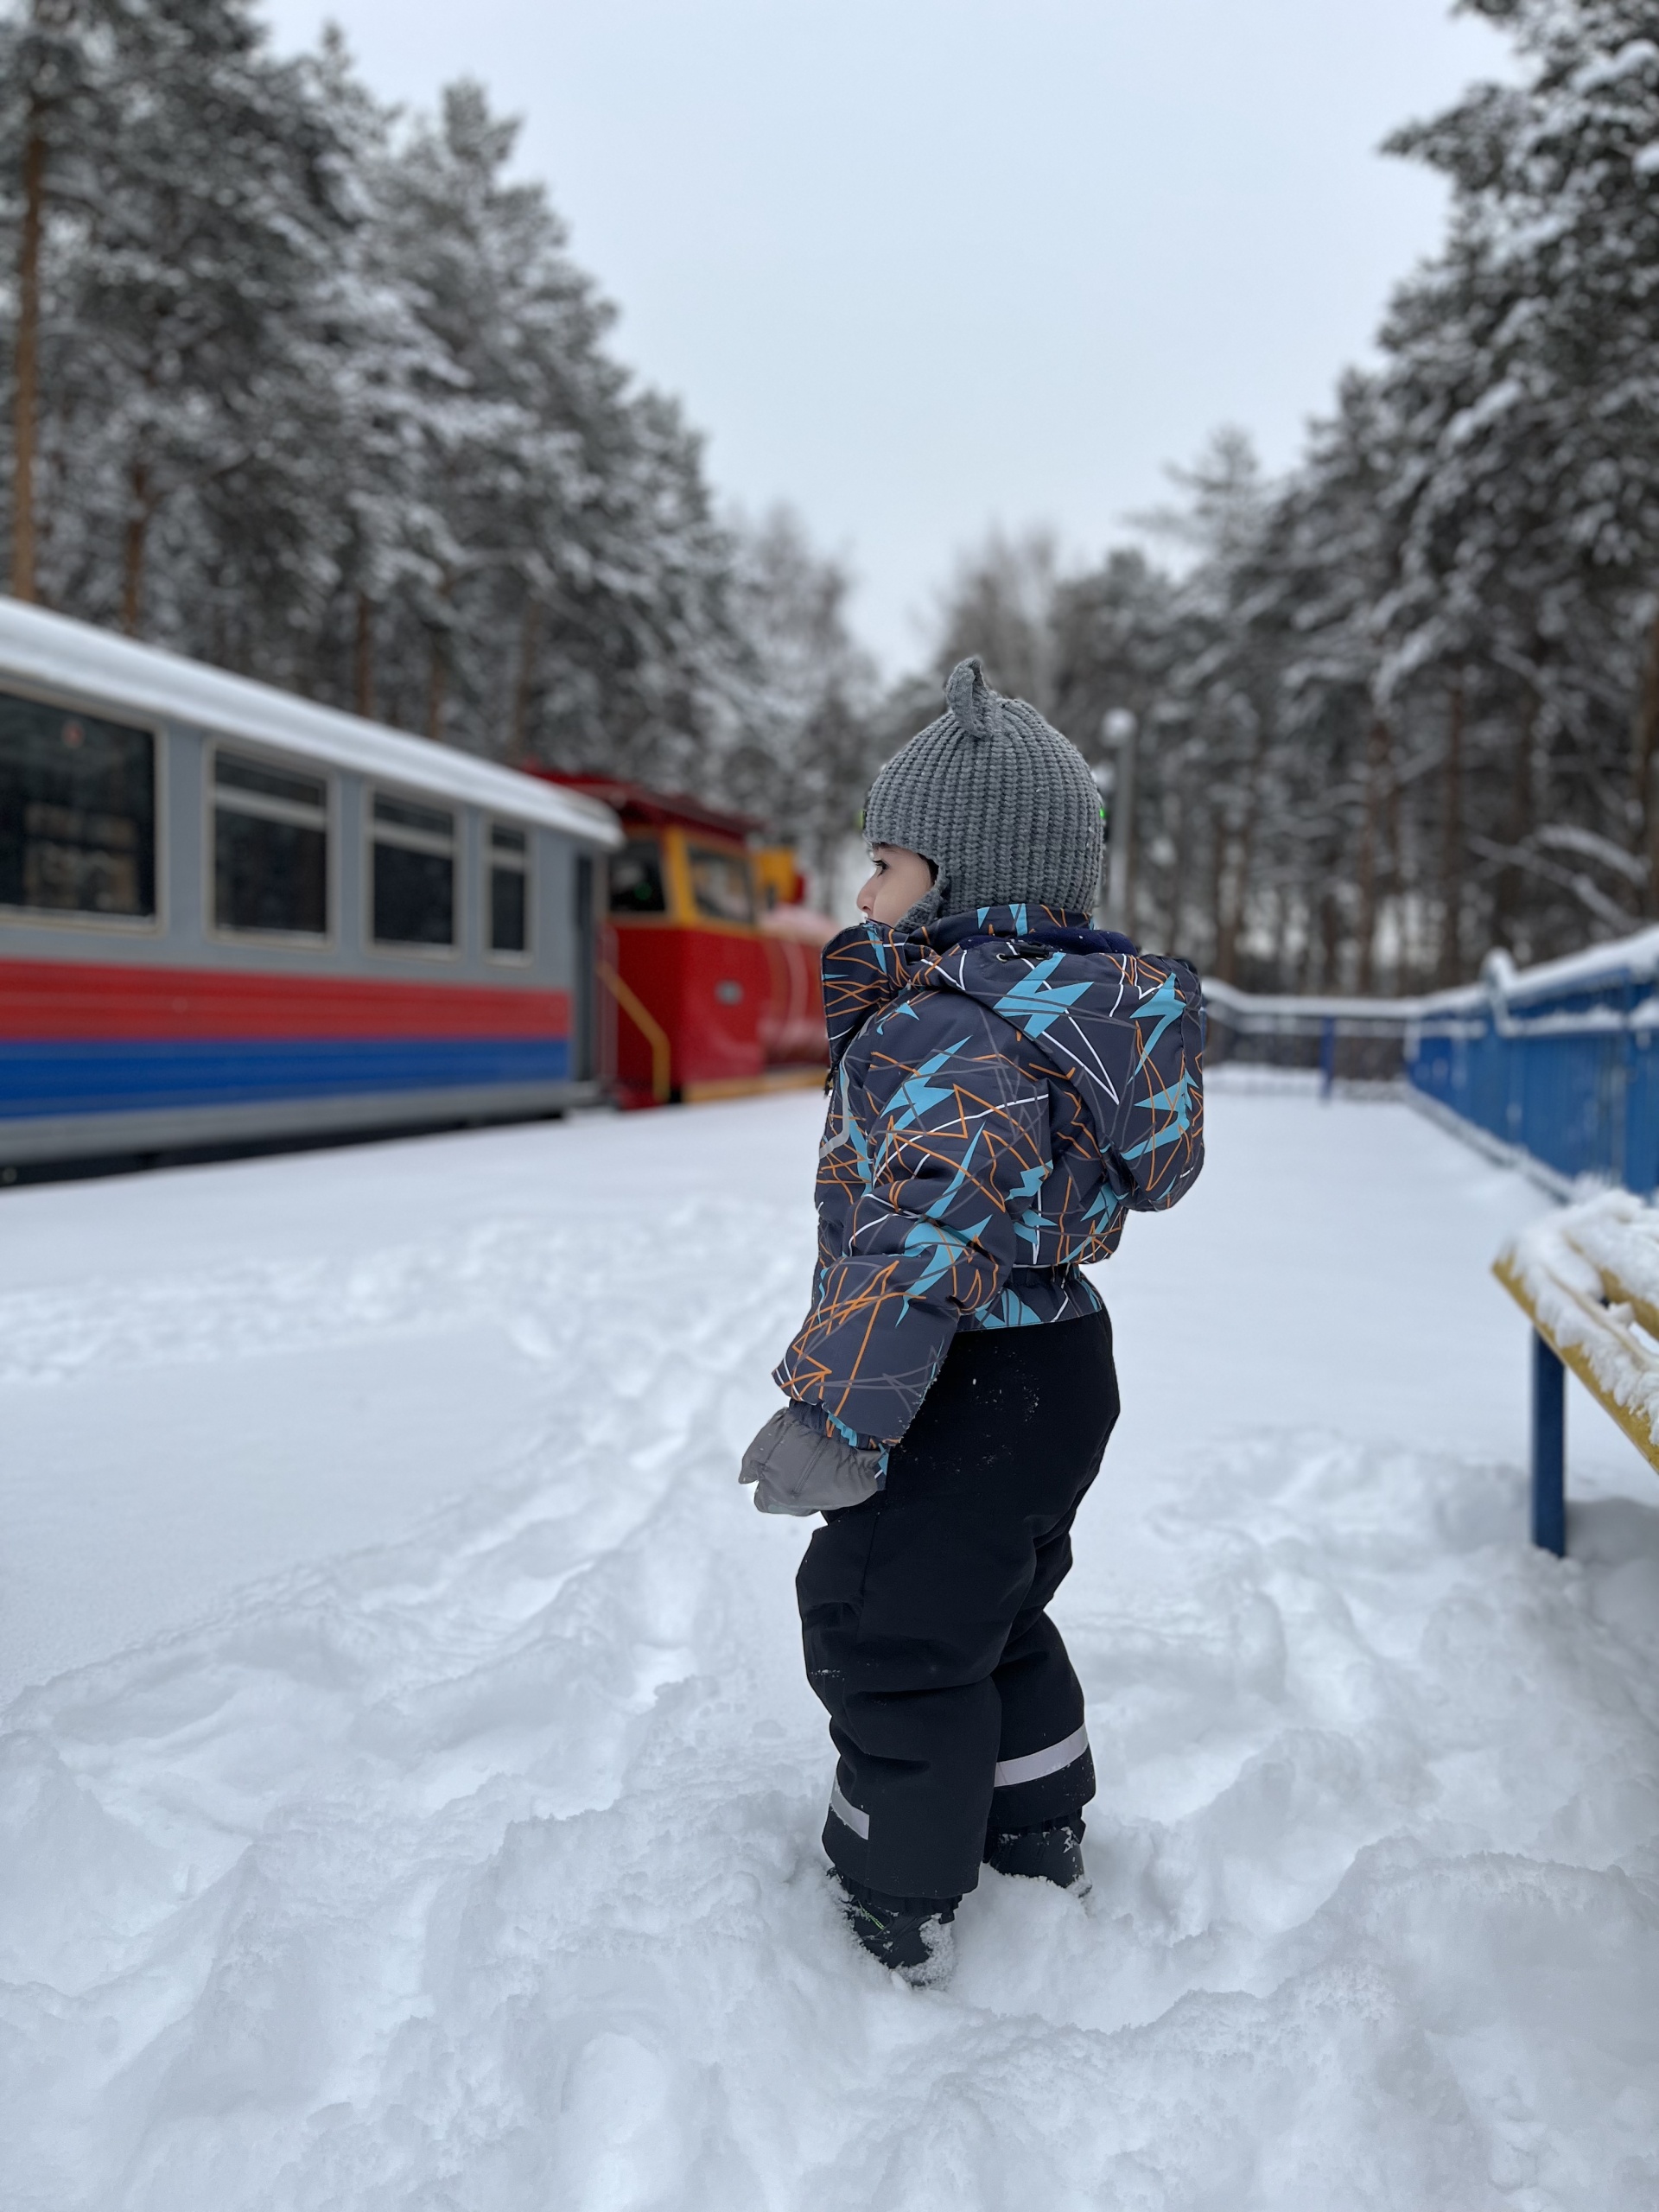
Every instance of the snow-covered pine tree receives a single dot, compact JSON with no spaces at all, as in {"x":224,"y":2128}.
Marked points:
{"x":564,"y":598}
{"x":800,"y":743}
{"x":190,"y":223}
{"x":1524,"y":365}
{"x":1395,"y":721}
{"x":371,"y":429}
{"x":321,"y":395}
{"x":1000,"y":604}
{"x":1117,"y":641}
{"x":54,"y":114}
{"x":1328,"y":858}
{"x":1226,"y":685}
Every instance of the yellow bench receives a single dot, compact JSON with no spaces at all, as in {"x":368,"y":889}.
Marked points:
{"x":1587,"y":1279}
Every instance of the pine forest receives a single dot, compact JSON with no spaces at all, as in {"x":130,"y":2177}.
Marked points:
{"x":316,"y":391}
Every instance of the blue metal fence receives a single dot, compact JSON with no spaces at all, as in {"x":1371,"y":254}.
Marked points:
{"x":1561,"y":1062}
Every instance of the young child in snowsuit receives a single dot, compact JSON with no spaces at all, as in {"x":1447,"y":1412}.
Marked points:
{"x":1009,"y":1084}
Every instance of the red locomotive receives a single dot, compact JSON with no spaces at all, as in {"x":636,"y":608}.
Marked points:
{"x":712,"y":963}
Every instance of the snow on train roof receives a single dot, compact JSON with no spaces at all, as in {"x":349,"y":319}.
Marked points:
{"x":52,"y":650}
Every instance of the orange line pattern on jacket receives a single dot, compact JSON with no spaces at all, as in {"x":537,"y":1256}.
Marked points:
{"x":1007,"y":1087}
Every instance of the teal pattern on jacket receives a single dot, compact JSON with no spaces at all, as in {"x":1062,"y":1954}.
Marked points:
{"x":1006,"y":1087}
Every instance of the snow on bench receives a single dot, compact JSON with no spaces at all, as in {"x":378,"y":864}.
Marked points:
{"x":1587,"y":1279}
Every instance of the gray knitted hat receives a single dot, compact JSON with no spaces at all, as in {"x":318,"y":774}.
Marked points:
{"x":1001,"y":804}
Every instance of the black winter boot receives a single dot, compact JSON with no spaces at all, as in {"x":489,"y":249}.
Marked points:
{"x":910,"y":1934}
{"x":1053,"y":1852}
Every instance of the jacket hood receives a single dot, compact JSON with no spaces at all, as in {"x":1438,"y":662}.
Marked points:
{"x":1065,"y":985}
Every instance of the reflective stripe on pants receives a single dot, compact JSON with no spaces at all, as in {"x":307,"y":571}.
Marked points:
{"x":1037,"y":1765}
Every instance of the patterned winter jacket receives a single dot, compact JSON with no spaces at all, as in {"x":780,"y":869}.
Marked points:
{"x":1006,"y":1087}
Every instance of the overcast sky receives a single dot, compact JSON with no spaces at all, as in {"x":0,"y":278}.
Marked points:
{"x":920,"y":266}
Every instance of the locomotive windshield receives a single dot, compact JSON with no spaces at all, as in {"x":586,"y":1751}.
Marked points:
{"x":720,"y":884}
{"x":636,"y":879}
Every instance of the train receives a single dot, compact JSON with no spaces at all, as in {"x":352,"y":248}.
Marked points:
{"x":232,"y":918}
{"x":711,"y":959}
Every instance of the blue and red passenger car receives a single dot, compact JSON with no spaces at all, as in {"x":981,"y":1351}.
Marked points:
{"x":228,"y":916}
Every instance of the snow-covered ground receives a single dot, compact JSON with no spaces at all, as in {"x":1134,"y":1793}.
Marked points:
{"x":410,"y":1798}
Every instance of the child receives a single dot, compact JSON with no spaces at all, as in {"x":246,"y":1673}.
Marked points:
{"x":1009,"y":1083}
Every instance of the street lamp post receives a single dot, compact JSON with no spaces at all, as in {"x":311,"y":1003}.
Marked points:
{"x":1118,"y":727}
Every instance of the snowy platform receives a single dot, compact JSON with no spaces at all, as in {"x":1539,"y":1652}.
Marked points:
{"x":409,"y":1797}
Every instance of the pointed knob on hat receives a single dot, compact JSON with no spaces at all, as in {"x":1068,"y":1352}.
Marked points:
{"x":970,"y":698}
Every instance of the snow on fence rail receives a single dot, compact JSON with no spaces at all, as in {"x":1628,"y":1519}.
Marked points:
{"x":1559,"y":1063}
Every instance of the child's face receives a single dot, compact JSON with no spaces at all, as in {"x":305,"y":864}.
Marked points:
{"x":900,"y":878}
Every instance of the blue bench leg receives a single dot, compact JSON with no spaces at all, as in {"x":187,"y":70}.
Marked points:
{"x":1548,"y":1450}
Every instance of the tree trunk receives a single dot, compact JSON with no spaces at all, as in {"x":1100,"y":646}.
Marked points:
{"x":1449,"y":966}
{"x":1177,"y":867}
{"x":437,"y":685}
{"x":1308,"y":916}
{"x":530,"y":632}
{"x":1394,"y":875}
{"x":132,"y":554}
{"x":1235,"y":878}
{"x":1229,"y":898}
{"x":1279,"y":898}
{"x":1218,"y":886}
{"x":1645,"y":759}
{"x":1377,"y":747}
{"x":56,"y":17}
{"x":1331,"y":920}
{"x":363,"y":658}
{"x":26,"y":405}
{"x":1120,"y":851}
{"x":1506,"y":891}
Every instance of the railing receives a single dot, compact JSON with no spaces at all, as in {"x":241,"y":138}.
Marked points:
{"x":1561,"y":1062}
{"x":655,"y":1037}
{"x":1356,"y":1041}
{"x":1557,"y":1065}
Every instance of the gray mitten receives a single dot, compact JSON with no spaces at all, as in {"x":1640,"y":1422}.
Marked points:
{"x":795,"y":1468}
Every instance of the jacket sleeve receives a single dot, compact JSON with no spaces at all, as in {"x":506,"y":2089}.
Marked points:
{"x":1157,"y":1144}
{"x":950,"y":1132}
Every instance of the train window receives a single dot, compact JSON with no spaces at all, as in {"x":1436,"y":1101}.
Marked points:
{"x":720,"y":885}
{"x":401,"y":814}
{"x":509,"y":889}
{"x":271,"y":849}
{"x":636,"y":879}
{"x":414,"y":873}
{"x":260,"y":780}
{"x":77,"y":812}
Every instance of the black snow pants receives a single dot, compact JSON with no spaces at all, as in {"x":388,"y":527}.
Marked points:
{"x":951,"y":1701}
